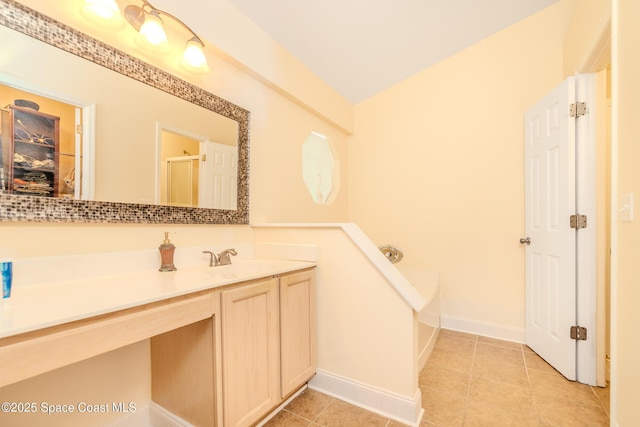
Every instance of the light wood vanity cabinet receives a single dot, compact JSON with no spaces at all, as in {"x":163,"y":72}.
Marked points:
{"x":250,"y":351}
{"x":268,"y":344}
{"x":297,"y":331}
{"x":264,"y":331}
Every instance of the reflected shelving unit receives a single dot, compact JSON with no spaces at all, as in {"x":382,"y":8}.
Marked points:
{"x":30,"y":151}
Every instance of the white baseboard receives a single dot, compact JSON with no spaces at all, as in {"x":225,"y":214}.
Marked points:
{"x":487,"y":329}
{"x":399,"y":408}
{"x":160,"y":417}
{"x":151,"y":415}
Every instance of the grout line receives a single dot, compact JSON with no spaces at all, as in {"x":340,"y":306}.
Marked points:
{"x":333,"y":399}
{"x":473,"y":363}
{"x":530,"y":387}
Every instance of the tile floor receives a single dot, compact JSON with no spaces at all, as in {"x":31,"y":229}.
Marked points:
{"x":471,"y":381}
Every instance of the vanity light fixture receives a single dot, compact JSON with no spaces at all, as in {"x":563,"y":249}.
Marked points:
{"x":147,"y":20}
{"x":105,"y":11}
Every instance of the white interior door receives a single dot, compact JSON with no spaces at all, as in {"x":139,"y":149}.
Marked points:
{"x":218,"y":176}
{"x":561,"y":260}
{"x":549,"y":202}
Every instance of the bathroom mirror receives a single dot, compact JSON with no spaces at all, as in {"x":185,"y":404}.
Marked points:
{"x":126,"y":194}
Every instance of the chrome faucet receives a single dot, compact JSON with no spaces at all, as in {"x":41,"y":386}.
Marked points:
{"x":223,"y":258}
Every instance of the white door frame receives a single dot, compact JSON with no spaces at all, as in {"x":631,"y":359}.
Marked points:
{"x":586,"y":245}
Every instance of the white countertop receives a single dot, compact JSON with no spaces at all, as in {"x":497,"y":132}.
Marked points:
{"x":39,"y":306}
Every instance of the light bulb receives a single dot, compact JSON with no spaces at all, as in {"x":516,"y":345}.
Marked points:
{"x":106,"y":12}
{"x":193,"y":57}
{"x":152,"y":29}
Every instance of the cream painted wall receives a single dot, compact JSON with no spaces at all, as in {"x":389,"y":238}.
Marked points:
{"x":436,"y":166}
{"x":587,"y":36}
{"x":626,"y":292}
{"x":363,"y":322}
{"x":279,"y":125}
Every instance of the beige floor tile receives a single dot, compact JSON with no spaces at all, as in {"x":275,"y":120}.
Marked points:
{"x":309,"y":404}
{"x":508,"y":355}
{"x":287,"y":419}
{"x":459,"y":345}
{"x":454,"y":383}
{"x":343,"y":414}
{"x":456,"y":334}
{"x":604,"y":397}
{"x":487,"y":415}
{"x":533,"y":361}
{"x":393,"y":423}
{"x":450,"y":360}
{"x":500,"y":343}
{"x":500,"y":371}
{"x":441,"y":409}
{"x":558,"y":412}
{"x":545,"y":384}
{"x":501,"y":395}
{"x":472,"y":381}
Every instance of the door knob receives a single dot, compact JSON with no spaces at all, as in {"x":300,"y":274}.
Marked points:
{"x":526,"y":241}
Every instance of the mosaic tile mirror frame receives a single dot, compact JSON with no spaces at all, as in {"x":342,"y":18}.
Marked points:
{"x":30,"y":208}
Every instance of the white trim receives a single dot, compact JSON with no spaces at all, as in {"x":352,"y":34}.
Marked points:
{"x":487,"y":329}
{"x":88,"y":152}
{"x":586,"y":295}
{"x":161,"y":417}
{"x":151,"y":415}
{"x":137,"y":419}
{"x":613,"y":331}
{"x":399,"y":408}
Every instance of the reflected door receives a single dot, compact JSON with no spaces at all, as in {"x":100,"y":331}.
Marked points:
{"x":218,"y":176}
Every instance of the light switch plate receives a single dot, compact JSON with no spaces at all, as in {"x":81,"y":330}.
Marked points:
{"x":626,"y":207}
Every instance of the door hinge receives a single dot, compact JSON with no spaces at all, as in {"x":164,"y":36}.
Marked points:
{"x":79,"y":129}
{"x":204,"y":157}
{"x":578,"y":221}
{"x":578,"y":333}
{"x":578,"y":109}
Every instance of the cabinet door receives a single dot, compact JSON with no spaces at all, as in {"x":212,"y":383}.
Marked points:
{"x":250,"y":352}
{"x":297,"y":330}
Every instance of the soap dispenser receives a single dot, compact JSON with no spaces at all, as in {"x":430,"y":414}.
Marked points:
{"x":166,"y":254}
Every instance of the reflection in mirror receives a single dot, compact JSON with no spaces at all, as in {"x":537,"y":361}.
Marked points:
{"x":131,"y":98}
{"x":42,"y":145}
{"x":194,"y":171}
{"x":320,"y":169}
{"x":180,"y":170}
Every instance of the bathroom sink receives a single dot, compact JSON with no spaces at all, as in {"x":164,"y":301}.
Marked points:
{"x":249,"y":268}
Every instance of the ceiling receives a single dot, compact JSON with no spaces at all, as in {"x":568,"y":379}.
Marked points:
{"x":361,"y":47}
